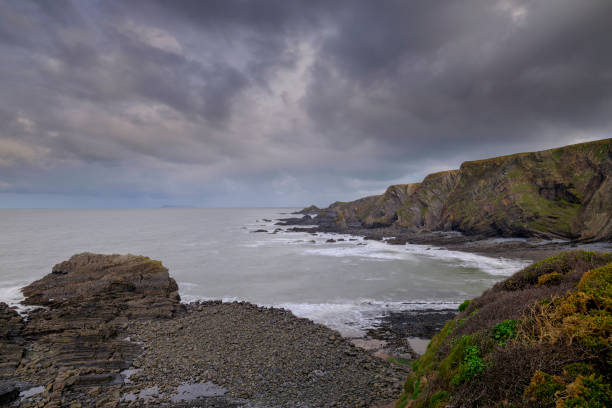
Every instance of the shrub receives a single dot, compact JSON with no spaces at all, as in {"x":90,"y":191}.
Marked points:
{"x":587,"y":392}
{"x":549,"y":279}
{"x":471,"y":366}
{"x":464,"y":305}
{"x":573,"y":370}
{"x":542,"y":389}
{"x":584,"y":316}
{"x":504,"y":331}
{"x":563,"y":264}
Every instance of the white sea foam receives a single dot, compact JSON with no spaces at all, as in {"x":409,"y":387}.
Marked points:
{"x":10,"y":293}
{"x":352,"y":319}
{"x":361,"y":251}
{"x":12,"y":296}
{"x":493,"y":266}
{"x":497,"y":266}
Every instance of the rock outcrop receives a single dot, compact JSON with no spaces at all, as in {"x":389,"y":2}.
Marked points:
{"x":557,"y":193}
{"x":74,"y":338}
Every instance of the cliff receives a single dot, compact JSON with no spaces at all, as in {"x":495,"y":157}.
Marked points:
{"x":541,"y":338}
{"x":558,"y":193}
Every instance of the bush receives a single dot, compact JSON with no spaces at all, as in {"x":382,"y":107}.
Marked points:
{"x":543,"y":388}
{"x":563,"y":264}
{"x":471,"y":366}
{"x":504,"y":331}
{"x":464,"y":305}
{"x":549,"y":279}
{"x":573,"y":370}
{"x":587,"y":392}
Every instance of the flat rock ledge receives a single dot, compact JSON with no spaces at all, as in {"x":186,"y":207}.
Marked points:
{"x":109,"y":330}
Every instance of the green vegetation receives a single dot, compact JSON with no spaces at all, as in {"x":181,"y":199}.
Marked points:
{"x":464,"y":305}
{"x":549,"y":344}
{"x":587,"y":392}
{"x":543,"y":388}
{"x":504,"y":331}
{"x":471,"y":366}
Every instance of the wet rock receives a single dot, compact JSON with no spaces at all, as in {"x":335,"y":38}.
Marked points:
{"x":11,"y":342}
{"x":305,"y":220}
{"x":9,"y":392}
{"x":301,"y":229}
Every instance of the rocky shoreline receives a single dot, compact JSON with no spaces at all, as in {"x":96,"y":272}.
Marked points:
{"x":109,"y":330}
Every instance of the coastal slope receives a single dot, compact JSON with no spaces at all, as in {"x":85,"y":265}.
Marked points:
{"x":540,"y":338}
{"x":558,"y":193}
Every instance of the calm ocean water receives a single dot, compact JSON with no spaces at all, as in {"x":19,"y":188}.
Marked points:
{"x":214,"y":254}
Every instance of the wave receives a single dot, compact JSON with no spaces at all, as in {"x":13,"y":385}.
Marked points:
{"x":353,"y":319}
{"x":493,"y":266}
{"x":382,"y":251}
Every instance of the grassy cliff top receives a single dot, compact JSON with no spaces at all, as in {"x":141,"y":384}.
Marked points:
{"x":541,"y":338}
{"x":597,"y":148}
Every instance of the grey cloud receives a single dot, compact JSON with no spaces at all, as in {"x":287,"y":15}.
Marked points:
{"x":248,"y":101}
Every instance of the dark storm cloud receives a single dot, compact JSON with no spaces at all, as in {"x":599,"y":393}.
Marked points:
{"x":287,"y":102}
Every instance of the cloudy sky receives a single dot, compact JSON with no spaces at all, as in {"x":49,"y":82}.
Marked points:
{"x":285,"y":103}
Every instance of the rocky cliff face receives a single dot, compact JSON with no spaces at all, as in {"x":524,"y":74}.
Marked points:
{"x":423,"y":209}
{"x":563,"y":193}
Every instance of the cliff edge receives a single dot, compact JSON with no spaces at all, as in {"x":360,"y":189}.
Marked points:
{"x":558,"y":193}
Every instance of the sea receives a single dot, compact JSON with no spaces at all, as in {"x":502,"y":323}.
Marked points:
{"x":347,"y":285}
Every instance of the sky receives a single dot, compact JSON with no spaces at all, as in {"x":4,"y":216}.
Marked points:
{"x":235,"y":103}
